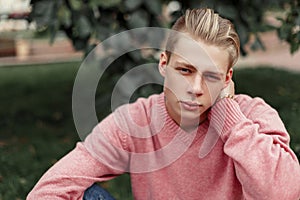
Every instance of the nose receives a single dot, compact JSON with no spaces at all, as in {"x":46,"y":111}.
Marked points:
{"x":196,"y":85}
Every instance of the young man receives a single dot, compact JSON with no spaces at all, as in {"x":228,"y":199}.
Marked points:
{"x":196,"y":140}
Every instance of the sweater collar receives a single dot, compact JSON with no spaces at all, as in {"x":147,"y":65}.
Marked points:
{"x":170,"y":126}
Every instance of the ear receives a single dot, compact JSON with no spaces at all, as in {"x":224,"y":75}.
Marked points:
{"x":228,"y":77}
{"x":163,"y":62}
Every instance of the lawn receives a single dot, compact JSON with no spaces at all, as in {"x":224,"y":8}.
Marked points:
{"x":37,"y":126}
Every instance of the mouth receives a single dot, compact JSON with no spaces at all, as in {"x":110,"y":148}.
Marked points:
{"x":190,"y":105}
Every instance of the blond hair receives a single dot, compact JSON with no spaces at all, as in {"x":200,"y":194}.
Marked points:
{"x":209,"y":27}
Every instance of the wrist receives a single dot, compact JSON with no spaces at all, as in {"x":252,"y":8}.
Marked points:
{"x":224,"y":96}
{"x":225,"y":115}
{"x":230,"y":96}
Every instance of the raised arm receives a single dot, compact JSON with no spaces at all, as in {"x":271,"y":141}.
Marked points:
{"x":255,"y":138}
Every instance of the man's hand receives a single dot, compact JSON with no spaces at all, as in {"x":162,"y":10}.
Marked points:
{"x":228,"y":92}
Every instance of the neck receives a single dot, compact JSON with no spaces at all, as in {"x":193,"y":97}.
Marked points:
{"x":190,"y":126}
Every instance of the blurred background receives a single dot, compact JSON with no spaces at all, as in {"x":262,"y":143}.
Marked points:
{"x":43,"y":43}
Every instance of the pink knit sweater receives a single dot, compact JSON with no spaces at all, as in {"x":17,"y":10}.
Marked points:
{"x":241,"y":152}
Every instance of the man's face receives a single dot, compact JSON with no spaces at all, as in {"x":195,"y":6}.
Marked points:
{"x":194,"y":76}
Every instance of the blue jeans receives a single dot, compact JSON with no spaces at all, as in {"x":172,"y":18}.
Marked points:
{"x":95,"y":192}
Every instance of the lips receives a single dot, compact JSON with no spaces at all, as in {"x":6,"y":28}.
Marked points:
{"x":190,"y":105}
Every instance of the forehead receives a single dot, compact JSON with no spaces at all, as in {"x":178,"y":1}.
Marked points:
{"x":200,"y":55}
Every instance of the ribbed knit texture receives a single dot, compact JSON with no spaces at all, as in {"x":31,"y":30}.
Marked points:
{"x":240,"y":152}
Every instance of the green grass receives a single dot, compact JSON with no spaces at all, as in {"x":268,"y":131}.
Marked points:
{"x":36,"y":123}
{"x":37,"y":126}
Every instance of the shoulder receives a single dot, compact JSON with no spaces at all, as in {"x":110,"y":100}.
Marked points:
{"x":145,"y":103}
{"x":247,"y":101}
{"x":253,"y":105}
{"x":141,"y":106}
{"x":140,"y":112}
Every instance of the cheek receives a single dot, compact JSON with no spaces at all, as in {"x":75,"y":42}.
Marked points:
{"x":214,"y":90}
{"x":176,"y":83}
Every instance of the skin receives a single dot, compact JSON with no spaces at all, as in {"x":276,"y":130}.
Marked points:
{"x":195,"y":78}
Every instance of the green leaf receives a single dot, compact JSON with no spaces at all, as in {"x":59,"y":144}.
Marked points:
{"x":284,"y":31}
{"x":131,"y":5}
{"x":79,"y":44}
{"x":102,"y":32}
{"x":199,"y":3}
{"x":53,"y":30}
{"x":154,"y":6}
{"x":138,"y":19}
{"x":75,"y":4}
{"x":104,"y":3}
{"x":83,"y":27}
{"x":242,"y":30}
{"x":42,"y":12}
{"x":64,"y":15}
{"x":121,"y":43}
{"x":228,"y":11}
{"x":257,"y":44}
{"x":294,"y":47}
{"x":297,"y":20}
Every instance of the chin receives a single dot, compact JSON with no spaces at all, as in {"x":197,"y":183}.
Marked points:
{"x":191,"y":119}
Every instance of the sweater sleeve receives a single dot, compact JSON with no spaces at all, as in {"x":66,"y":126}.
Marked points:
{"x":71,"y":176}
{"x":79,"y":169}
{"x":256,"y":140}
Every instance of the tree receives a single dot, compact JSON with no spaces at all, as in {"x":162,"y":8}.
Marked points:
{"x":87,"y":22}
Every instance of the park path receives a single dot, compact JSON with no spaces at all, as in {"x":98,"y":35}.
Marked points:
{"x":41,"y":51}
{"x":277,"y":54}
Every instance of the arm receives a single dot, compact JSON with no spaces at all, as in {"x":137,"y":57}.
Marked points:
{"x":79,"y":169}
{"x":70,"y":176}
{"x":258,"y":143}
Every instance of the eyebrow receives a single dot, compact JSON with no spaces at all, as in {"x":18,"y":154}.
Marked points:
{"x":195,"y":68}
{"x":185,"y":64}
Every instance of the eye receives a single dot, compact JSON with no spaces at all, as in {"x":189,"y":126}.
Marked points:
{"x":184,"y":70}
{"x":212,"y":77}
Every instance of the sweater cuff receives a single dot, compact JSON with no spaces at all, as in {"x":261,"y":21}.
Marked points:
{"x":224,"y":115}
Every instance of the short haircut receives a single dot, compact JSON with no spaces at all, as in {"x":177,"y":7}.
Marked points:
{"x":210,"y":28}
